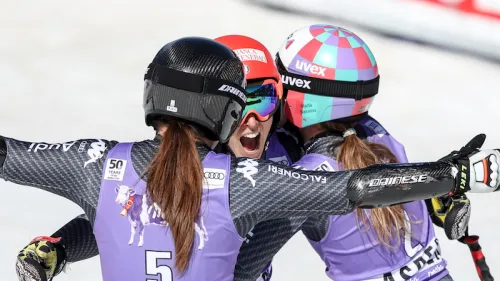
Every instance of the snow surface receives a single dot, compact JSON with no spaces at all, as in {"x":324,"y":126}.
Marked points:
{"x":74,"y":69}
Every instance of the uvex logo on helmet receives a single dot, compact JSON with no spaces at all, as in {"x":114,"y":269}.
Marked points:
{"x":296,"y":82}
{"x":310,"y":68}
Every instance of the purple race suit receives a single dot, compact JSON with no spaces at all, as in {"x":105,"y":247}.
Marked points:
{"x":276,"y":152}
{"x":135,"y":242}
{"x":351,"y":252}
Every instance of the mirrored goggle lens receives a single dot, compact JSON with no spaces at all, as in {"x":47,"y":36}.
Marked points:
{"x":262,"y":100}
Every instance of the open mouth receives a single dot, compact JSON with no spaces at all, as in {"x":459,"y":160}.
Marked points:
{"x":250,"y":142}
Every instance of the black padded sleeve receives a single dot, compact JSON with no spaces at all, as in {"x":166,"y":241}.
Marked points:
{"x":72,"y":169}
{"x":262,"y":190}
{"x":3,"y":152}
{"x":78,"y":239}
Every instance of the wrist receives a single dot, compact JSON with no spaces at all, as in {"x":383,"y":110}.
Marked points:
{"x":61,"y":258}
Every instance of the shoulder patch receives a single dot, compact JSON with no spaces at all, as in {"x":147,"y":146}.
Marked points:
{"x":213,"y":178}
{"x":115,"y":169}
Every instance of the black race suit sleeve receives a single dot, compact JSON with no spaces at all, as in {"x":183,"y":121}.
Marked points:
{"x":78,"y":239}
{"x":261,"y":190}
{"x":72,"y":169}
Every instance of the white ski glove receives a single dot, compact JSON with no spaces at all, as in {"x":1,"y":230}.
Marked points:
{"x":477,"y":170}
{"x":485,"y":174}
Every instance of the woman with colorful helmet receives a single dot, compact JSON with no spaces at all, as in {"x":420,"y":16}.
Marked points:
{"x":331,"y":78}
{"x":313,"y":57}
{"x":171,"y":206}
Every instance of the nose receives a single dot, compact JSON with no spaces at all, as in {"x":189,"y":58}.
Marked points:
{"x":251,"y":122}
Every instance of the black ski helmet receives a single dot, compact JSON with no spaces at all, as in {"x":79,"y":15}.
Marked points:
{"x":200,"y":81}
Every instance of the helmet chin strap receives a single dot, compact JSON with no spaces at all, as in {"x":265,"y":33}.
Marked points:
{"x":266,"y":145}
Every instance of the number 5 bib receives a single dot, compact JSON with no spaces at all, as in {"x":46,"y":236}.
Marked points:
{"x":134,"y":240}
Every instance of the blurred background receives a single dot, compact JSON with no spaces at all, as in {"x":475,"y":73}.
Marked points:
{"x":71,"y":70}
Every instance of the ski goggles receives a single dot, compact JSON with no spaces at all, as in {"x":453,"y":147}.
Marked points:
{"x":262,"y":101}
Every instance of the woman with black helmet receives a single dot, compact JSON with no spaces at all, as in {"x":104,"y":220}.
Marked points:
{"x":257,"y":131}
{"x":194,"y":97}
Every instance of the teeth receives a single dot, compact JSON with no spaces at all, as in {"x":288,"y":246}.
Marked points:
{"x":251,"y":136}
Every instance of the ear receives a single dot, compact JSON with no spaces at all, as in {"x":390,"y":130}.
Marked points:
{"x":117,"y":188}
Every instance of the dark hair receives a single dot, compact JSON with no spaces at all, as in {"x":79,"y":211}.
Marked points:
{"x":175,"y":175}
{"x":174,"y":182}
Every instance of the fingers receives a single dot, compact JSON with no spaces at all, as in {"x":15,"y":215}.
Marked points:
{"x":30,"y":270}
{"x":476,"y":142}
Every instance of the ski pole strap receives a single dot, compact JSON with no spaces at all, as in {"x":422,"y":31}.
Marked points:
{"x":482,"y":268}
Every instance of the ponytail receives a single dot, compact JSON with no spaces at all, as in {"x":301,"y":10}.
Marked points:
{"x":355,"y":153}
{"x":174,"y":182}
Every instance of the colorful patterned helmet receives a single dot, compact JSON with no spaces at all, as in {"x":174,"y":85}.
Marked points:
{"x":328,"y":73}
